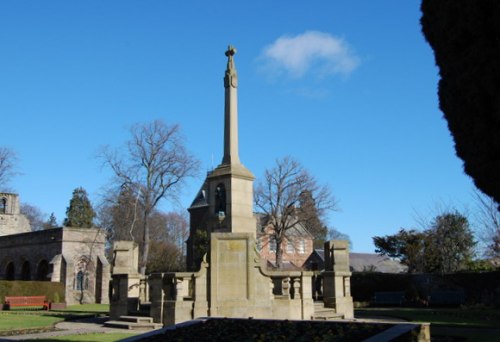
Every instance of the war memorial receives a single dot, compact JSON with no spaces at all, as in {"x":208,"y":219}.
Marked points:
{"x":230,"y":280}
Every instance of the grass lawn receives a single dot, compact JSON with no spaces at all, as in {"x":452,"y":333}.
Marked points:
{"x":484,"y":318}
{"x":19,"y":321}
{"x":87,"y":308}
{"x":88,"y":337}
{"x":446,"y":324}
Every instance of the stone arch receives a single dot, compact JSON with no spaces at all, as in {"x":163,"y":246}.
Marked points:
{"x":220,"y":199}
{"x":42,"y":270}
{"x":26,"y":270}
{"x":10,"y":271}
{"x":83,"y":274}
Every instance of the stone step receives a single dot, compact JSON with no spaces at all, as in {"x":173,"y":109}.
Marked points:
{"x":327,"y":315}
{"x":322,"y":313}
{"x":133,"y":325}
{"x":137,"y":319}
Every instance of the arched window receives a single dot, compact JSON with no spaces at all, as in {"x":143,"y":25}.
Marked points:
{"x":3,"y":205}
{"x":42,"y":271}
{"x":79,"y":281}
{"x":26,"y":271}
{"x":220,"y":199}
{"x":10,"y":272}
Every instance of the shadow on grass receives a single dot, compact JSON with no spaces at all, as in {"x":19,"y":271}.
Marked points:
{"x":447,"y":324}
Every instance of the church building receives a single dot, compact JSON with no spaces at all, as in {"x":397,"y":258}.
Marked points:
{"x":73,"y":256}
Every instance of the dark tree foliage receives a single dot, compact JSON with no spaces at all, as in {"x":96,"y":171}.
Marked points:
{"x":51,"y":222}
{"x":446,"y":246}
{"x":406,"y":245}
{"x":119,"y":214}
{"x":311,"y":221}
{"x":164,"y":257}
{"x":464,"y":35}
{"x":449,"y":246}
{"x":80,"y":212}
{"x":201,"y":242}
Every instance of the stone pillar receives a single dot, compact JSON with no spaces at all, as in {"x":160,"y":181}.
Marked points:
{"x":119,"y":296}
{"x":200,"y":308}
{"x":155,"y":281}
{"x":106,"y":275}
{"x":336,"y":278}
{"x":237,"y":288}
{"x":306,"y":295}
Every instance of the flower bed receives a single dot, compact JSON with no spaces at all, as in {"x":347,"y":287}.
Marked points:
{"x":225,"y":329}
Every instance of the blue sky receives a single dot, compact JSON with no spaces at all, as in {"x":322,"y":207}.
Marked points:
{"x":348,"y":88}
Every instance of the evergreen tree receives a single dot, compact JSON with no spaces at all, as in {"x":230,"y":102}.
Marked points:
{"x":308,"y":211}
{"x":450,"y":243}
{"x":51,"y":222}
{"x":80,"y":212}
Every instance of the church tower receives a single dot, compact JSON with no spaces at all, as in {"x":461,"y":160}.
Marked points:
{"x":225,"y":201}
{"x":11,"y":219}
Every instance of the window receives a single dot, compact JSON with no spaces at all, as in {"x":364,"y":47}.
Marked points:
{"x":79,"y":281}
{"x":272,"y":244}
{"x":290,"y":249}
{"x":3,"y":205}
{"x":220,"y":199}
{"x":302,"y":246}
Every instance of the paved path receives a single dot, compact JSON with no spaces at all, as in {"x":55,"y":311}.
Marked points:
{"x":83,"y":326}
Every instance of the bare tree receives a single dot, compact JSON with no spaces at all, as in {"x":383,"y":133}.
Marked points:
{"x":178,"y":230}
{"x":487,"y":216}
{"x":118,"y":213}
{"x":34,"y":215}
{"x":154,"y":167}
{"x":278,"y":196}
{"x":7,"y":166}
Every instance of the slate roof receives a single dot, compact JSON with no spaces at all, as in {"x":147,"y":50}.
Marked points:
{"x":360,"y":262}
{"x":298,"y":231}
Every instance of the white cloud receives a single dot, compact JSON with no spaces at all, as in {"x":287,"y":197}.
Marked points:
{"x":312,"y":51}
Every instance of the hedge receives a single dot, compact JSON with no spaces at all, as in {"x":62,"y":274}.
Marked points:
{"x":52,"y":290}
{"x":478,"y":287}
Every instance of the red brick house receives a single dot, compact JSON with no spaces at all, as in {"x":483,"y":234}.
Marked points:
{"x":296,"y":247}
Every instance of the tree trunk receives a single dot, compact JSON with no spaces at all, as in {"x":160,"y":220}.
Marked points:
{"x":145,"y":245}
{"x":279,"y":254}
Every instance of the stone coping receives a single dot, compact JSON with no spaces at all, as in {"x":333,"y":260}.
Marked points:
{"x":398,"y":328}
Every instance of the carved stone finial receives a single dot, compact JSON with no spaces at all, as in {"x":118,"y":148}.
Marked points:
{"x":231,"y":51}
{"x":231,"y":78}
